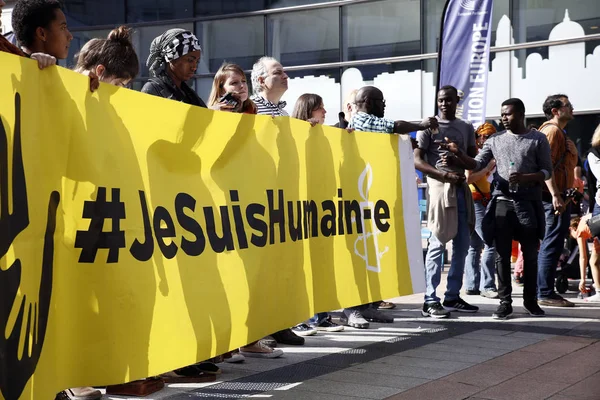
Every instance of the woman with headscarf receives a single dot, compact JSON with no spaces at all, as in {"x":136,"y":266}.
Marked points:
{"x":480,"y":272}
{"x":173,"y":60}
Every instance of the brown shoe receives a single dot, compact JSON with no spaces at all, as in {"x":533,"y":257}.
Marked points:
{"x":260,"y":350}
{"x":386,"y":305}
{"x":555,"y":301}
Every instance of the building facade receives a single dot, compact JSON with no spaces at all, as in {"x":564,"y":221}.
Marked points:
{"x":541,"y":47}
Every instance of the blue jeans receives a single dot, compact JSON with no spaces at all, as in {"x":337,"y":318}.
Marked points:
{"x":318,"y":318}
{"x":596,"y":210}
{"x":435,"y":252}
{"x":557,"y":228}
{"x":480,"y":271}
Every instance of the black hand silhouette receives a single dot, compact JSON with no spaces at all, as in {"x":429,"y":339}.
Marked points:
{"x":16,"y":369}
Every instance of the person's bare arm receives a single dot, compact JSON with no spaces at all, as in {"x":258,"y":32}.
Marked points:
{"x":435,"y":173}
{"x":403,"y":127}
{"x":474,"y":176}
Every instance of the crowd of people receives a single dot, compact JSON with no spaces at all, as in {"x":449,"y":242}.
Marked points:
{"x":486,"y":189}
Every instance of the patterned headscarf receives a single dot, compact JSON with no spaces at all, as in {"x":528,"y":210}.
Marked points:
{"x":486,"y":129}
{"x":169,"y":46}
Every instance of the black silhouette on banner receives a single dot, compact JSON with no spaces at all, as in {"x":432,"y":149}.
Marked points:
{"x":16,"y":369}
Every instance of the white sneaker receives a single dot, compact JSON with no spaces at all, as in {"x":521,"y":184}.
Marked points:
{"x":593,"y":299}
{"x":304,"y":330}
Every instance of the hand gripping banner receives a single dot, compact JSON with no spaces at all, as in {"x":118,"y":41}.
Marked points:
{"x":463,"y":59}
{"x":140,"y":234}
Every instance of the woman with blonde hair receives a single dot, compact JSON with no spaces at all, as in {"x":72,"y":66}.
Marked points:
{"x":230,"y":91}
{"x":480,"y":271}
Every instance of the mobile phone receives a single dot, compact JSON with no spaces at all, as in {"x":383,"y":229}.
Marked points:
{"x":229,"y":99}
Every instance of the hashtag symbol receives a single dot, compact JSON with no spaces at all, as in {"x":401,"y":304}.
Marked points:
{"x":95,"y":238}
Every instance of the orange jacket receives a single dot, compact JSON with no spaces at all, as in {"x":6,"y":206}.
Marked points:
{"x":564,"y":173}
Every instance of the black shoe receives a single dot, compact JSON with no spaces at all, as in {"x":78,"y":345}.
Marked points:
{"x":373,"y":315}
{"x":472,"y":292}
{"x":534,"y":310}
{"x":460,"y":305}
{"x":503,"y":311}
{"x":286,"y":336}
{"x":434,"y":310}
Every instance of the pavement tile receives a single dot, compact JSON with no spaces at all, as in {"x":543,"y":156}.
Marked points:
{"x":522,"y":389}
{"x":462,"y":349}
{"x":511,"y":344}
{"x":438,"y":390}
{"x":560,"y":346}
{"x":375,"y":379}
{"x":304,"y":395}
{"x":588,"y":388}
{"x":589,"y":356}
{"x":358,"y":389}
{"x":484,"y":376}
{"x":523,"y":359}
{"x":558,"y":371}
{"x":497,"y":338}
{"x":493,"y":332}
{"x":378,"y":368}
{"x":445,"y":365}
{"x":434,"y":354}
{"x":531,"y":335}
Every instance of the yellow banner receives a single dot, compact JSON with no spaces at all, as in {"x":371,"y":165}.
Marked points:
{"x":139,"y":234}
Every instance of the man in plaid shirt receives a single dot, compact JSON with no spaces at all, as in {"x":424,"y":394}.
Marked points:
{"x":370,"y":107}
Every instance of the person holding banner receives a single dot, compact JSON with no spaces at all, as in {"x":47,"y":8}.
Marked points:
{"x":451,"y":214}
{"x":269,"y":83}
{"x":369,"y":117}
{"x":230,"y":80}
{"x":112,"y":60}
{"x":173,"y":60}
{"x":24,"y":21}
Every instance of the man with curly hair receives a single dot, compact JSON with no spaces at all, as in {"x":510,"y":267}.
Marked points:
{"x":41,"y":27}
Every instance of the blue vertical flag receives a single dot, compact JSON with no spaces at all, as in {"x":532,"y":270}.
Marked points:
{"x":463,"y":57}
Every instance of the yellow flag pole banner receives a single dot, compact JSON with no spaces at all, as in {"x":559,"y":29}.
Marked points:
{"x":139,"y":234}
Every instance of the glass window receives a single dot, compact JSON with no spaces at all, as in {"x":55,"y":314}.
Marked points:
{"x":94,"y":12}
{"x":79,"y":39}
{"x":324,"y":82}
{"x":305,"y":37}
{"x":534,"y":19}
{"x":237,"y":40}
{"x":210,"y":7}
{"x":158,"y":10}
{"x":143,"y":36}
{"x":382,"y":29}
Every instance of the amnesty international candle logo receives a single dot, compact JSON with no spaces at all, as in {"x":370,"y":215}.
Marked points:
{"x":21,"y":342}
{"x":367,"y":240}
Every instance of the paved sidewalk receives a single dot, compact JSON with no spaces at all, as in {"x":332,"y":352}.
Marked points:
{"x":470,"y":356}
